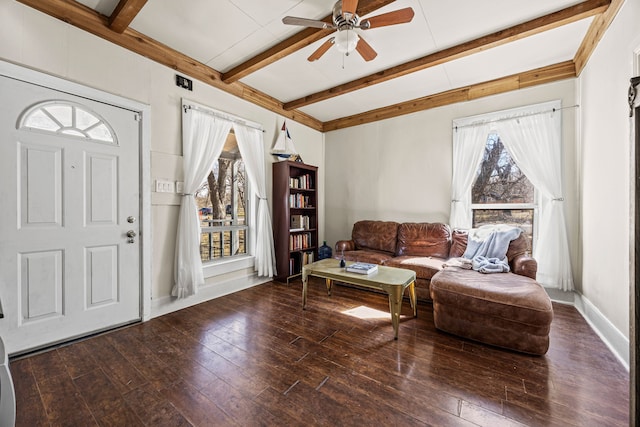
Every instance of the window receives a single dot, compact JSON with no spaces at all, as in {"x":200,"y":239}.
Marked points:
{"x":67,"y":118}
{"x":501,"y":193}
{"x":222,"y":206}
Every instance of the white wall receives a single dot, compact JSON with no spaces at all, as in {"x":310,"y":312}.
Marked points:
{"x":38,"y":41}
{"x":400,"y":169}
{"x":606,"y":181}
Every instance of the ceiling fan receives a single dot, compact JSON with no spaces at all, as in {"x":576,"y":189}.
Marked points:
{"x":345,"y":21}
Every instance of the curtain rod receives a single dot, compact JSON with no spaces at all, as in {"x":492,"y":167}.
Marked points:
{"x":483,"y":122}
{"x":224,"y":116}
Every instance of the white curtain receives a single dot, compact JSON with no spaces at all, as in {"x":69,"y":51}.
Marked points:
{"x":534,"y":143}
{"x":468,"y":147}
{"x":251,"y":148}
{"x":203,"y":137}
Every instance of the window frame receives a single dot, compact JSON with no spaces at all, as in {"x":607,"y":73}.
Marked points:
{"x":77,"y":132}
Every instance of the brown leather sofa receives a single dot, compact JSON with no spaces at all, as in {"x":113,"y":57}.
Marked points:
{"x":509,"y":310}
{"x":422,"y":247}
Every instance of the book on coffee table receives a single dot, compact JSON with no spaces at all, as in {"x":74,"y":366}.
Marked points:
{"x":362,"y":268}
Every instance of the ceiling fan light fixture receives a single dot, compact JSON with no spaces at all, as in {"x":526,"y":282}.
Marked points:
{"x":346,"y":41}
{"x":345,"y":21}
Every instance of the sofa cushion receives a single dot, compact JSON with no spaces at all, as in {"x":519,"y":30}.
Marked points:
{"x":365,"y":255}
{"x":459,"y":240}
{"x":518,"y":247}
{"x":424,"y":239}
{"x":425,"y":267}
{"x":376,"y":235}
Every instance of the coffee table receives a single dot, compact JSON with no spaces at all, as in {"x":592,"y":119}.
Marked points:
{"x":389,"y":279}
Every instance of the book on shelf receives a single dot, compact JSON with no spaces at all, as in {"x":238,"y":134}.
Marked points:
{"x":300,"y":241}
{"x":299,"y":222}
{"x":302,"y":182}
{"x":297,"y":261}
{"x":299,"y":201}
{"x":307,"y":258}
{"x":362,"y":268}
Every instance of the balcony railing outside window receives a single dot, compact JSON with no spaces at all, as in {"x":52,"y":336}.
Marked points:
{"x":224,"y":239}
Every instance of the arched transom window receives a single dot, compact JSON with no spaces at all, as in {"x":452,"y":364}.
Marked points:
{"x":68,"y":118}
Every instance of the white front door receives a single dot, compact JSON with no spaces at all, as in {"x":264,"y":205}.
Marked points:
{"x":68,"y":197}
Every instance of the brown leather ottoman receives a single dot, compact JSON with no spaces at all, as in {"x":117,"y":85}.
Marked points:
{"x":502,"y":309}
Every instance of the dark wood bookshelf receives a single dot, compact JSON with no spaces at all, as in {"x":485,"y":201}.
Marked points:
{"x":295,"y":193}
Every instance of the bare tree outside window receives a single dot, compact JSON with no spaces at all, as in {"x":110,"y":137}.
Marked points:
{"x":501,"y":193}
{"x":219,"y":187}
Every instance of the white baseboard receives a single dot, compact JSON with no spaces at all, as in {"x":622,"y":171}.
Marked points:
{"x":169,"y":304}
{"x":612,"y":337}
{"x":563,"y":297}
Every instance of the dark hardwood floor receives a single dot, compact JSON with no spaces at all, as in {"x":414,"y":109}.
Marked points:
{"x":256,"y":358}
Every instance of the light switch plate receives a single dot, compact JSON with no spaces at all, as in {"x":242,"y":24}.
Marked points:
{"x":165,"y":186}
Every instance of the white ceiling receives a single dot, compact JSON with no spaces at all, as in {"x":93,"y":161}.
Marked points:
{"x":224,"y":33}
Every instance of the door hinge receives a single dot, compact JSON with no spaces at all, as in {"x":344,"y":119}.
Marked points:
{"x":137,"y":117}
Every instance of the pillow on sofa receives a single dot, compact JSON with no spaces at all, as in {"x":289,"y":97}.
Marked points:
{"x":424,"y":239}
{"x":518,"y":247}
{"x":459,"y":240}
{"x":376,"y":235}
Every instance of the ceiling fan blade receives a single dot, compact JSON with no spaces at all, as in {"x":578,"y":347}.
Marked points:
{"x":349,"y":6}
{"x":324,"y":47}
{"x":292,"y":20}
{"x":365,"y":50}
{"x":400,"y":16}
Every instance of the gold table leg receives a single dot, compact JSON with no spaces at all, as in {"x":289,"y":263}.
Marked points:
{"x":413,"y":299}
{"x":395,"y":305}
{"x":329,"y":282}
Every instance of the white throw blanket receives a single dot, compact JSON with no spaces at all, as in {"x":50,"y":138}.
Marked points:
{"x":487,"y":247}
{"x":490,"y":265}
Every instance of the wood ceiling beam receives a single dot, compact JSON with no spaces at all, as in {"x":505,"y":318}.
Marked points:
{"x":594,"y":34}
{"x":535,"y":26}
{"x":551,"y":73}
{"x":293,"y":44}
{"x":89,"y":20}
{"x":124,"y":13}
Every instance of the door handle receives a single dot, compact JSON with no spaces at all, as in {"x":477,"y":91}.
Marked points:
{"x":130,"y":236}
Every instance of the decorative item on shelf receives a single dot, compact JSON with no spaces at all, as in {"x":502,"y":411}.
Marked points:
{"x":283,"y":148}
{"x":324,"y":251}
{"x":295,"y":158}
